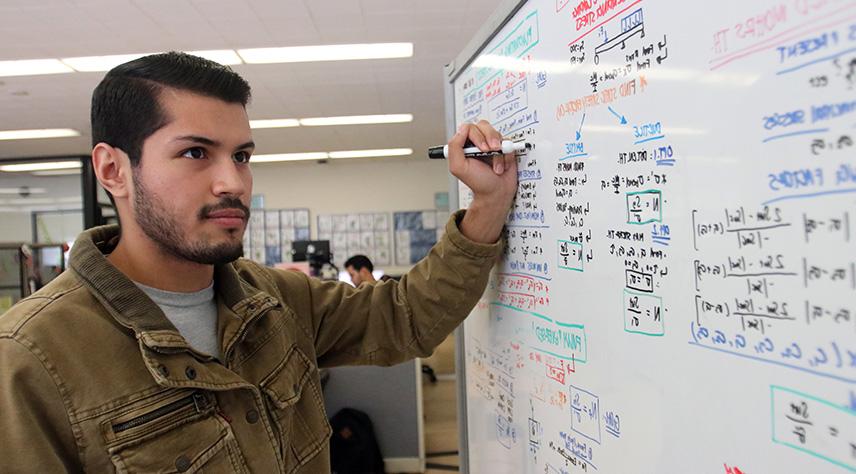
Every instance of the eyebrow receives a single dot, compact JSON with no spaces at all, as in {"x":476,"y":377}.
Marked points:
{"x":207,"y":141}
{"x":196,"y":139}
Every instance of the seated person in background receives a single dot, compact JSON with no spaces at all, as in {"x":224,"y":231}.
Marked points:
{"x":360,"y":268}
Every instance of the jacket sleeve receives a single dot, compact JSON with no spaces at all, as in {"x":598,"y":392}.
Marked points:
{"x":390,"y":322}
{"x":37,"y":434}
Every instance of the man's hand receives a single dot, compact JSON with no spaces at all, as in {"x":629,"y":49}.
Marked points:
{"x":493,"y":187}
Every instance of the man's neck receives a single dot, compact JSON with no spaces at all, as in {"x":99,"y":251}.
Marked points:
{"x":143,"y":261}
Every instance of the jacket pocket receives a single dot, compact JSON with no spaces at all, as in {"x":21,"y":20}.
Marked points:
{"x":175,"y":433}
{"x":294,"y":396}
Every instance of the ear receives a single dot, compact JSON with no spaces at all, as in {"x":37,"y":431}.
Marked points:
{"x":113,"y":169}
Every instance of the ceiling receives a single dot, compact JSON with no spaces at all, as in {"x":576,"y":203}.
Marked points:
{"x":439,"y":30}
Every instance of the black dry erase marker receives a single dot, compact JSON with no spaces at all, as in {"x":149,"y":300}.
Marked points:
{"x":442,"y":151}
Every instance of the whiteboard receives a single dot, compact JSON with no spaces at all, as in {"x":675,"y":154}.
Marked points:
{"x":679,"y":290}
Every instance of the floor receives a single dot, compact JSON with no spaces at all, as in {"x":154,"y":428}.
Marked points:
{"x":441,"y":426}
{"x":441,"y":411}
{"x":439,"y":406}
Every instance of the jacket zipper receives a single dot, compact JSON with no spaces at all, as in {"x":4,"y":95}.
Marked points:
{"x":197,"y":399}
{"x":227,"y":355}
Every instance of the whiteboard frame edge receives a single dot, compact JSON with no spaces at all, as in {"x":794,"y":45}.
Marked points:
{"x":497,"y":20}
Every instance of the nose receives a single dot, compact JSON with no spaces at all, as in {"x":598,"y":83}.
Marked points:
{"x":230,"y":178}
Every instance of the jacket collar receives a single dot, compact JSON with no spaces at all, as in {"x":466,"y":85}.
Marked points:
{"x":118,"y":294}
{"x":132,"y":308}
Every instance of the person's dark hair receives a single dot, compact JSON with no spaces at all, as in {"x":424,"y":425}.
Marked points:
{"x":359,"y":262}
{"x":125,"y":107}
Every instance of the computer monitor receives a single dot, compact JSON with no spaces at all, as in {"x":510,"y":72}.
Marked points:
{"x":316,"y":252}
{"x":309,"y":250}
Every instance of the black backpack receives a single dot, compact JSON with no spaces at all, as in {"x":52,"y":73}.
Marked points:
{"x":353,"y":446}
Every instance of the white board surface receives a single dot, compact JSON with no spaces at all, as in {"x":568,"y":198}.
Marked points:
{"x":679,"y":289}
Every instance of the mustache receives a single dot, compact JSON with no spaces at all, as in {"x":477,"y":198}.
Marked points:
{"x":225,"y":203}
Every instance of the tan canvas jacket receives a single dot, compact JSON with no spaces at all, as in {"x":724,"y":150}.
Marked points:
{"x":94,"y":377}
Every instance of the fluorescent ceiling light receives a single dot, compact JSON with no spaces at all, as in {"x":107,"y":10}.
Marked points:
{"x":38,"y":133}
{"x":105,"y":63}
{"x":40,"y":166}
{"x":25,"y":201}
{"x":25,"y":189}
{"x":56,"y":172}
{"x":322,"y":121}
{"x":100,"y":63}
{"x":315,"y":155}
{"x":226,"y":57}
{"x":32,"y":67}
{"x":290,"y":54}
{"x":371,"y":153}
{"x":334,"y":52}
{"x":274,"y":123}
{"x":356,"y":120}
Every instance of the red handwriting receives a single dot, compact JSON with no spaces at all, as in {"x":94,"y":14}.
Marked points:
{"x":732,"y":469}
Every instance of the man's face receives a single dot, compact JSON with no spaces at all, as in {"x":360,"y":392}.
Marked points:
{"x":356,"y":279}
{"x":193,"y":185}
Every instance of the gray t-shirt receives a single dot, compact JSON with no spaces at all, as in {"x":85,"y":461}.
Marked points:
{"x":193,"y":314}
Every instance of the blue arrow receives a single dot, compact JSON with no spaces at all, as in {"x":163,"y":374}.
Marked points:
{"x":617,"y":115}
{"x":853,"y":401}
{"x":581,"y":127}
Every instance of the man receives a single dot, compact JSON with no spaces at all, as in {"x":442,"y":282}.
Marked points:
{"x":159,"y":349}
{"x":360,"y":269}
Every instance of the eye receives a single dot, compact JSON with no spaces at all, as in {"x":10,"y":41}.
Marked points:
{"x":195,"y":153}
{"x":242,"y":157}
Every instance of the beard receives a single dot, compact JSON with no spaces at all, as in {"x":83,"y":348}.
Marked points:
{"x":165,"y":229}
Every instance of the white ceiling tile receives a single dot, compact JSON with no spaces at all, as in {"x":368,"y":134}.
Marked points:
{"x":439,"y":29}
{"x":326,"y":9}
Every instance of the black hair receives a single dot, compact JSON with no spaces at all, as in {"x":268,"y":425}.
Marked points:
{"x":359,"y":262}
{"x":125,"y":107}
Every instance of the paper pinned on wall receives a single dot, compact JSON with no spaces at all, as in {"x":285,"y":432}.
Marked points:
{"x":369,"y":230}
{"x":366,"y":221}
{"x":287,"y":234}
{"x":286,"y":252}
{"x":271,"y":219}
{"x":286,"y":218}
{"x":340,"y":253}
{"x":340,"y":223}
{"x":382,"y":256}
{"x":367,"y":239}
{"x":301,"y":218}
{"x":353,"y":240}
{"x":402,"y":254}
{"x":353,"y":222}
{"x":402,"y":238}
{"x":381,"y":239}
{"x":257,"y":238}
{"x":325,"y":223}
{"x":272,"y":237}
{"x":381,"y":221}
{"x":340,"y":240}
{"x":429,"y":219}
